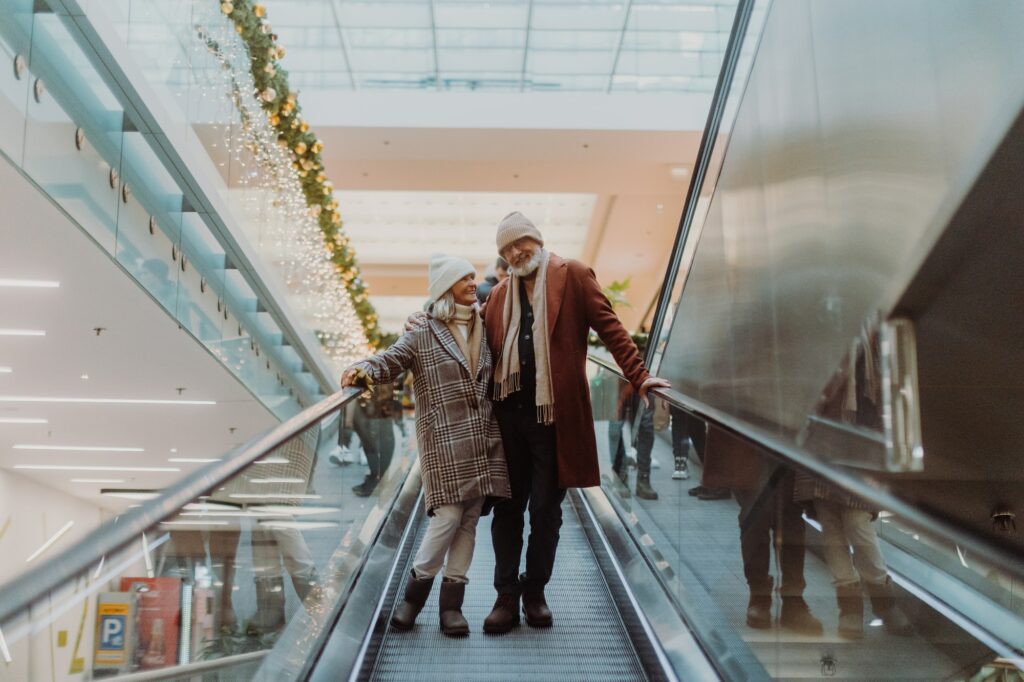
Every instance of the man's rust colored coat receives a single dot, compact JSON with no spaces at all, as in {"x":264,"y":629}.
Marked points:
{"x":575,"y":306}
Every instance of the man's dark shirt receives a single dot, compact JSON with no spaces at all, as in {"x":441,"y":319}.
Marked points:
{"x":526,"y":397}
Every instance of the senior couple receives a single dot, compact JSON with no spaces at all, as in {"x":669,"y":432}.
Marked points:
{"x":503,"y":416}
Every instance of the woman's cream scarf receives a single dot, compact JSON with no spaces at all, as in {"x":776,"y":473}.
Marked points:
{"x":506,"y":374}
{"x":468,"y":317}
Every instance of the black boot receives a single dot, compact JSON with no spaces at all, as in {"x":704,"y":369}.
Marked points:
{"x":796,"y":615}
{"x":851,"y":611}
{"x":366,"y":488}
{"x":504,"y":616}
{"x":643,"y":487}
{"x":453,"y":623}
{"x":416,"y":592}
{"x":759,"y":609}
{"x":269,"y":616}
{"x":883,"y":603}
{"x":536,"y":610}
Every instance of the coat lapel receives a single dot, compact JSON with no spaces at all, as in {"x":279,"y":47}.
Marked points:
{"x":557,"y":271}
{"x":444,"y":335}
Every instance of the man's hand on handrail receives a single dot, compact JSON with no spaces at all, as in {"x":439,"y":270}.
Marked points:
{"x":649,"y":383}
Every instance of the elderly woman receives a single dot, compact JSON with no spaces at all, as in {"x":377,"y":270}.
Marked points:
{"x":461,"y":458}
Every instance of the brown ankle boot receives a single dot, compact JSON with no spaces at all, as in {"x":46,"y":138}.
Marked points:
{"x":504,"y":616}
{"x":453,"y":623}
{"x":536,"y":610}
{"x":416,"y":592}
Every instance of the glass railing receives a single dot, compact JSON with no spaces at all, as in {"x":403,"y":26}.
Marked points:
{"x":208,"y":576}
{"x":782,"y":573}
{"x":83,"y":144}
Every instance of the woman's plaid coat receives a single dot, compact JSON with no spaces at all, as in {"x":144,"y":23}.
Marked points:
{"x":459,"y":443}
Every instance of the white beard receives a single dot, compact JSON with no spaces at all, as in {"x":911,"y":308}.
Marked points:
{"x":531,"y":265}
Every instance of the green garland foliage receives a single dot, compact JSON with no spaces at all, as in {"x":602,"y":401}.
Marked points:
{"x":285,"y":115}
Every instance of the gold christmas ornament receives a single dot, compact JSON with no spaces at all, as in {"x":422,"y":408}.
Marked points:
{"x":317,"y":147}
{"x":303,"y":127}
{"x":300,"y":148}
{"x":269,"y":95}
{"x":227,"y":7}
{"x":259,"y":10}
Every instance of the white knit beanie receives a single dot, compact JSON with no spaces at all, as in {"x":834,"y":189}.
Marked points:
{"x":514,"y":226}
{"x":446,"y":271}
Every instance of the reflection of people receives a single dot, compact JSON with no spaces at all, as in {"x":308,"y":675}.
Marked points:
{"x":768,"y":515}
{"x":644,"y":447}
{"x":461,"y":456}
{"x":372,"y":421}
{"x":538,"y":321}
{"x":681,"y":441}
{"x":483,"y":290}
{"x":270,"y":547}
{"x":847,"y":522}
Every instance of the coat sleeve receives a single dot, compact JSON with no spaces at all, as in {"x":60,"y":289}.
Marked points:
{"x":603,"y":320}
{"x":385,"y":367}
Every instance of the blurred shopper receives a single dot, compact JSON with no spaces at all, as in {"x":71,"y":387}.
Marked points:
{"x":644,"y":445}
{"x":483,"y":290}
{"x":373,"y":422}
{"x":768,"y":515}
{"x":537,"y":325}
{"x":461,"y":456}
{"x":681,"y":442}
{"x":847,"y":522}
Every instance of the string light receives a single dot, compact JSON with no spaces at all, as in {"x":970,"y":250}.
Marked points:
{"x":269,"y":179}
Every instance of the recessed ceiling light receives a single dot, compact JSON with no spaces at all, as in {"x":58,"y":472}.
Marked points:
{"x":77,"y":448}
{"x":22,"y":332}
{"x":76,"y":467}
{"x":53,"y":539}
{"x":174,"y":449}
{"x":22,"y":420}
{"x":97,"y":480}
{"x":29,"y":283}
{"x":192,"y":460}
{"x":102,"y":401}
{"x":85,"y":376}
{"x":678,"y":172}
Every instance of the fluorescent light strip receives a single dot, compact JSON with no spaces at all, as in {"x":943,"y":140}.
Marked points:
{"x":102,"y":401}
{"x":193,"y":523}
{"x":255,"y":514}
{"x":192,"y":460}
{"x":22,"y":420}
{"x":130,"y":494}
{"x":5,"y":370}
{"x":292,"y":510}
{"x":278,"y":480}
{"x":297,"y":525}
{"x":273,"y":460}
{"x":75,"y":467}
{"x":22,"y":332}
{"x":97,"y":480}
{"x":271,"y":496}
{"x":146,"y":552}
{"x":48,"y":543}
{"x":76,"y":448}
{"x":29,"y":283}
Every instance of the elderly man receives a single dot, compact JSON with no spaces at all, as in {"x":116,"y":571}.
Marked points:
{"x":537,"y":322}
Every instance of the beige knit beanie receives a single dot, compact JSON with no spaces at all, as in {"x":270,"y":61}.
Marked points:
{"x":514,"y":226}
{"x":446,"y":271}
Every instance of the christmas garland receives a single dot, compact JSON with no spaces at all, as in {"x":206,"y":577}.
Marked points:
{"x":293,"y":133}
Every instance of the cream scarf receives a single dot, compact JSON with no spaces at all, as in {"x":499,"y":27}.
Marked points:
{"x":468,"y":318}
{"x":506,"y":374}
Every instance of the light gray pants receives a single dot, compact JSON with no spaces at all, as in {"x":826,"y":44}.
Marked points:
{"x":452,"y":532}
{"x":843,"y":527}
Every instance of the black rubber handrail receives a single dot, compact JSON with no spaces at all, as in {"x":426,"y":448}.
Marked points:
{"x":25,"y":589}
{"x":797,"y":457}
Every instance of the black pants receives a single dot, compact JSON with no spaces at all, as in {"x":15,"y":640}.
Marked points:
{"x":531,"y":453}
{"x":768,"y":513}
{"x":377,"y":437}
{"x":644,"y":442}
{"x":685,"y":426}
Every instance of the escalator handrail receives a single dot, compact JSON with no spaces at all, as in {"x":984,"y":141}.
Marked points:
{"x":29,"y":586}
{"x":795,"y":456}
